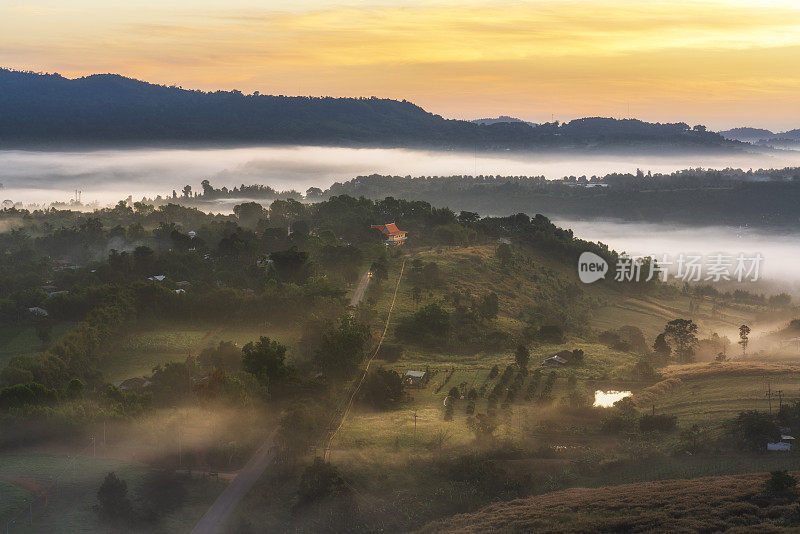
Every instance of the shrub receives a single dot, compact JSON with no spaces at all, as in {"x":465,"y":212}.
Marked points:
{"x":752,"y":430}
{"x":113,"y":505}
{"x":382,"y":389}
{"x":780,"y":483}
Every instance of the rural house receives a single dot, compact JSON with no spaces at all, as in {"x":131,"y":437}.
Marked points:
{"x":391,"y":234}
{"x":414,"y":378}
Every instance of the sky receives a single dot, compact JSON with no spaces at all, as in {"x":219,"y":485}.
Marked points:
{"x":722,"y":63}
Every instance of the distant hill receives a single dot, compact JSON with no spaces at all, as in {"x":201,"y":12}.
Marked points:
{"x":108,"y":109}
{"x":746,"y":135}
{"x":758,"y":136}
{"x":501,"y":118}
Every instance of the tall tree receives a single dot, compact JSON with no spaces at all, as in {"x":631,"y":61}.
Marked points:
{"x":522,"y":356}
{"x":683,"y":334}
{"x":744,"y":337}
{"x":661,"y":347}
{"x":265,"y":359}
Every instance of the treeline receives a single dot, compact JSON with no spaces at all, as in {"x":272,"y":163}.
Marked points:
{"x":111,"y":109}
{"x":760,"y":198}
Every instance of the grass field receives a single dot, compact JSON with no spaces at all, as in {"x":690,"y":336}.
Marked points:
{"x":70,"y":508}
{"x":155,"y":344}
{"x":20,"y":341}
{"x":713,"y":399}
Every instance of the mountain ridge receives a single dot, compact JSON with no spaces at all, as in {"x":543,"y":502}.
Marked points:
{"x":110,"y":109}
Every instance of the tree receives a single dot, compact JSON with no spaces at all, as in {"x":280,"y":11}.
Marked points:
{"x":483,"y":425}
{"x":661,"y":347}
{"x":382,"y":389}
{"x":314,"y":193}
{"x":291,"y":265}
{"x":780,"y":483}
{"x":494,"y":372}
{"x":323,"y":487}
{"x":75,"y":388}
{"x":379,"y":269}
{"x":505,"y":255}
{"x":285,"y":212}
{"x":430,"y":324}
{"x":249,"y":213}
{"x":225,"y":356}
{"x":488,"y":306}
{"x":753,"y":430}
{"x":744,"y":337}
{"x":342,"y":347}
{"x":522,"y":356}
{"x":782,"y":300}
{"x":113,"y":504}
{"x":44,"y":331}
{"x":265,"y":359}
{"x":683,"y":333}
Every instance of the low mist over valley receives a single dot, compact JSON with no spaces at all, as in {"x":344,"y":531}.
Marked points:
{"x":394,"y":266}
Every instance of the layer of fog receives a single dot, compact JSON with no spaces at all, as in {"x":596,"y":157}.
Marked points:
{"x":106,"y":176}
{"x":780,"y":252}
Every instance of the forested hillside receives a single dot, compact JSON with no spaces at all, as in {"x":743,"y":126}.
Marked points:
{"x":108,"y":109}
{"x":765,"y":198}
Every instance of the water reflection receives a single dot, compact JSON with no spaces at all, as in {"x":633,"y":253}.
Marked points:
{"x":606,"y":399}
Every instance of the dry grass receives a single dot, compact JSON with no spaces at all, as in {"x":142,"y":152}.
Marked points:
{"x":697,"y":371}
{"x":701,"y":505}
{"x":653,"y":393}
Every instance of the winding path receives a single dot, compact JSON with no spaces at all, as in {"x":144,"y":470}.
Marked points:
{"x":215,"y":518}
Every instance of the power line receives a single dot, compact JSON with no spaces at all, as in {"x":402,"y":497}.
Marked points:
{"x":366,"y":368}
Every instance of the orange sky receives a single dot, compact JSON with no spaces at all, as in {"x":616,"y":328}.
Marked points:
{"x":721,"y":63}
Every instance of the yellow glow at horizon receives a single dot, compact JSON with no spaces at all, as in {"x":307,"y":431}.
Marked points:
{"x":711,"y":61}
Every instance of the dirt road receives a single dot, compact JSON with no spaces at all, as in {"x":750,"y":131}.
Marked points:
{"x":215,"y":518}
{"x":217,"y":515}
{"x":361,"y":289}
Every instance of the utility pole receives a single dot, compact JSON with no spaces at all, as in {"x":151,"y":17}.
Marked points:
{"x":769,"y":395}
{"x":779,"y":393}
{"x":415,"y":429}
{"x":94,"y":447}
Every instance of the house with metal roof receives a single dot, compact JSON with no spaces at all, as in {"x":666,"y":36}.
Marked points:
{"x":391,"y":233}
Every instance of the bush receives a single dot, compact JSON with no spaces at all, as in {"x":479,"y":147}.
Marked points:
{"x":494,"y":372}
{"x":324,"y":494}
{"x":382,"y":389}
{"x":752,"y":430}
{"x":430,"y":325}
{"x":780,"y":483}
{"x":113,"y":505}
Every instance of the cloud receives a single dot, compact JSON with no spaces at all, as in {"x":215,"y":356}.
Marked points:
{"x":473,"y":58}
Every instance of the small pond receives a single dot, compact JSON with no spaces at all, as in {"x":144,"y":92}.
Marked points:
{"x":606,"y":399}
